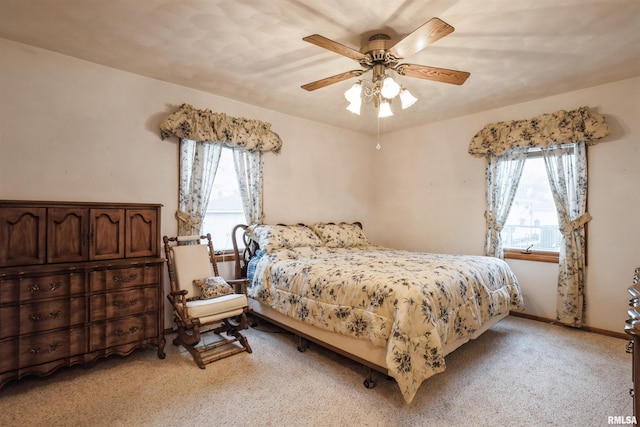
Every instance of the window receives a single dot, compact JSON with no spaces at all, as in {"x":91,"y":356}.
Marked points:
{"x":224,"y":209}
{"x":531,"y":230}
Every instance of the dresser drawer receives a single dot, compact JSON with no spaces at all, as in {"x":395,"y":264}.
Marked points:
{"x":120,"y":278}
{"x":9,"y":355}
{"x":123,"y":331}
{"x":41,"y":316}
{"x":123,"y":303}
{"x":43,"y":348}
{"x":33,"y":288}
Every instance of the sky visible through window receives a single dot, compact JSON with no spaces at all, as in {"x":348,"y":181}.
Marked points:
{"x":224,"y":210}
{"x":533,"y":219}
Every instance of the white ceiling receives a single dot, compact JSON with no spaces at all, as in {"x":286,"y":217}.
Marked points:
{"x":252,"y":50}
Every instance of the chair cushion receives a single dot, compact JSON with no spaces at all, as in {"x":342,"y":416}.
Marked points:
{"x":191,"y":262}
{"x":219,"y":308}
{"x":213,"y":287}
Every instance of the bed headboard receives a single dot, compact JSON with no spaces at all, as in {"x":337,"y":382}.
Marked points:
{"x":244,"y":251}
{"x":244,"y":248}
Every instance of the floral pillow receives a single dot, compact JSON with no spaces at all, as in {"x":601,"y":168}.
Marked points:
{"x":273,"y":237}
{"x":213,"y":287}
{"x":340,"y":235}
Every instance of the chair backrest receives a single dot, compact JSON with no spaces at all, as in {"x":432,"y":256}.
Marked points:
{"x":189,"y":262}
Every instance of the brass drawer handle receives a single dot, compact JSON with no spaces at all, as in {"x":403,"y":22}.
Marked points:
{"x":36,"y":287}
{"x":39,"y":318}
{"x":53,"y":347}
{"x":126,"y":304}
{"x":131,"y":278}
{"x":120,"y":332}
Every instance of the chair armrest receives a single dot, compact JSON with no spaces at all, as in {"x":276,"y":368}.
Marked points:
{"x":179,"y":300}
{"x":182,"y":292}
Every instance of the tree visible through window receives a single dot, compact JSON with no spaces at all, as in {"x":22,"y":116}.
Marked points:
{"x":533,"y":220}
{"x":224,"y":210}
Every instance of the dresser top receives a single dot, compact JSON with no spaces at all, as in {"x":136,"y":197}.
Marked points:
{"x":11,"y":203}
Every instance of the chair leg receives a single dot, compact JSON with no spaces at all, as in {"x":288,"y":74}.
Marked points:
{"x":234,"y":329}
{"x":202,"y":354}
{"x":244,"y":342}
{"x":187,"y":339}
{"x":189,"y":342}
{"x":241,"y":339}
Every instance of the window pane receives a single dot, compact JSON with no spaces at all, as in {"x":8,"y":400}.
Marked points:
{"x":224,"y":210}
{"x":533,"y":219}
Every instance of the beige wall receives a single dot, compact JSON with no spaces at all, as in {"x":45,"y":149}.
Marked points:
{"x":441,"y":206}
{"x":73,"y":130}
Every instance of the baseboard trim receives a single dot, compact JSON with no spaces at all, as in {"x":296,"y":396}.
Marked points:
{"x":606,"y":332}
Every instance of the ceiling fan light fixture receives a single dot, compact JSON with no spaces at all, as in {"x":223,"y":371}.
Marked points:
{"x":390,"y":88}
{"x":385,"y":109}
{"x":380,"y":56}
{"x":353,"y":93}
{"x":407,"y":98}
{"x":354,"y":107}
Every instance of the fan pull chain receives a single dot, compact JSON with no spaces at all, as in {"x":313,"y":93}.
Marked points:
{"x":378,"y":146}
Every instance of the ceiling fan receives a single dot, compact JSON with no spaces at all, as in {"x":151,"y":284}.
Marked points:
{"x":381,"y":54}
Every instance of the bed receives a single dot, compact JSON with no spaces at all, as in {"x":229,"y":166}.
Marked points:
{"x":396,"y":312}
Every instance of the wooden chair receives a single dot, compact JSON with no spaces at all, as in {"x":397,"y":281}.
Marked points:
{"x":189,"y":260}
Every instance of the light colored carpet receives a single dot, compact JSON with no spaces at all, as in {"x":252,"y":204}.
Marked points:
{"x":519,"y":373}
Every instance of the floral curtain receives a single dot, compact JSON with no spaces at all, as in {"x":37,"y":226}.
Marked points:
{"x":567,"y":171}
{"x":248,"y":165}
{"x":563,"y":137}
{"x":561,"y":127}
{"x":207,"y":126}
{"x":198,"y":166}
{"x":502,"y":175}
{"x":202,"y":135}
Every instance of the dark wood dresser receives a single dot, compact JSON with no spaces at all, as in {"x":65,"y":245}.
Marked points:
{"x":78,"y":281}
{"x":633,"y":328}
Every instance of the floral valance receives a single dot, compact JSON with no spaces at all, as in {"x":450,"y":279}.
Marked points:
{"x":207,"y":126}
{"x":561,"y":127}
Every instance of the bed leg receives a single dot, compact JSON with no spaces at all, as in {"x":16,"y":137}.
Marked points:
{"x":303,"y":344}
{"x":254,"y":320}
{"x":369,"y":382}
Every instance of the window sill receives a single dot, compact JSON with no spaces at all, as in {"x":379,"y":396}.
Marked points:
{"x":225,"y":255}
{"x":540,"y":256}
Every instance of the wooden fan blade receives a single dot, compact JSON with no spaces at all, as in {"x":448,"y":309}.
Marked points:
{"x":432,"y":73}
{"x":336,"y":47}
{"x":331,"y":80}
{"x":431,"y":31}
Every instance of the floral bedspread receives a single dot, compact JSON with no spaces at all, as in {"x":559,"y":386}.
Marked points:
{"x":412,"y":303}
